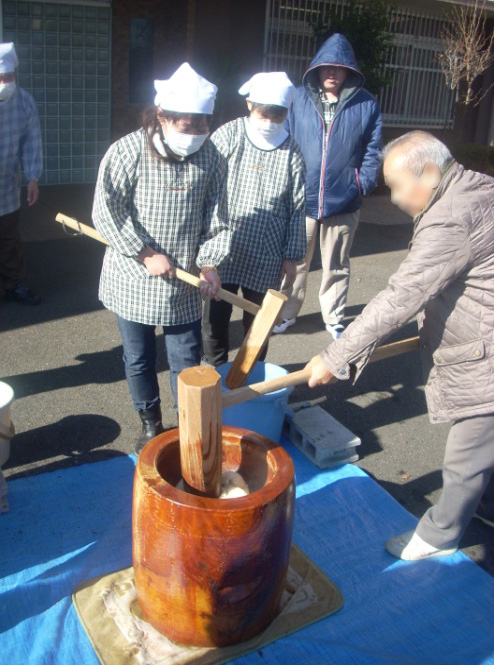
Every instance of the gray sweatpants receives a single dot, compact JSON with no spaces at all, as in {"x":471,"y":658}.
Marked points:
{"x":468,"y":482}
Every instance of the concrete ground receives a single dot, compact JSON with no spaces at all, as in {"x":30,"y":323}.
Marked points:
{"x":63,"y":360}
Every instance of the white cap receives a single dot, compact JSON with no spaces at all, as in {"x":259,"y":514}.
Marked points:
{"x":8,"y":58}
{"x":185,"y":92}
{"x":269,"y":88}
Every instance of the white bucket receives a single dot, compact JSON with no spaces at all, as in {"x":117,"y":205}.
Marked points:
{"x":6,"y":427}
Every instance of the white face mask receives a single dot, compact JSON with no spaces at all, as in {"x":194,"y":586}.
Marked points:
{"x":265,"y":128}
{"x":6,"y":90}
{"x":183,"y":144}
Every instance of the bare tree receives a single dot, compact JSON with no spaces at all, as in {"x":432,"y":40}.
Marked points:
{"x":468,"y":50}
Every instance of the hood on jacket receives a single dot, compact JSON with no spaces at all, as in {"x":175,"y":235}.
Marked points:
{"x":336,"y":50}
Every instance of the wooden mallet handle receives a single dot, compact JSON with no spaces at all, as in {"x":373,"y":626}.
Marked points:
{"x":246,"y":393}
{"x":184,"y":276}
{"x":227,"y":296}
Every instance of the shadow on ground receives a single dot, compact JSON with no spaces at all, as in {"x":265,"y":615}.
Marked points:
{"x":79,"y":438}
{"x":65,"y":274}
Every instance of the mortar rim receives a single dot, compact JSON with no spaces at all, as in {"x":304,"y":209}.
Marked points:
{"x":147,"y":469}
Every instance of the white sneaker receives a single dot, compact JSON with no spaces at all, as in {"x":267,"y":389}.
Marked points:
{"x":409,"y":546}
{"x":286,"y":323}
{"x":335,"y":330}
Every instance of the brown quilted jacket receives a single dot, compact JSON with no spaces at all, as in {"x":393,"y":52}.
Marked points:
{"x":447,"y":280}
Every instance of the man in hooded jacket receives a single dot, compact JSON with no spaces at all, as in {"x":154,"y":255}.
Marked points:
{"x":338,"y":127}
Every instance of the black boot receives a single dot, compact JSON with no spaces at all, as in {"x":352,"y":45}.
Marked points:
{"x":23,"y":295}
{"x":152,"y":425}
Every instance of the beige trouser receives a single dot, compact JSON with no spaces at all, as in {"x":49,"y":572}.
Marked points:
{"x":336,"y":237}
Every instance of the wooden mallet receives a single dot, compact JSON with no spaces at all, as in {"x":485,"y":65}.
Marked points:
{"x":227,"y":296}
{"x":266,"y":315}
{"x":200,"y":402}
{"x":302,"y":376}
{"x":254,"y":341}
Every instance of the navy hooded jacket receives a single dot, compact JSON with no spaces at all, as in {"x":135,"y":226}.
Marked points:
{"x":338,"y":183}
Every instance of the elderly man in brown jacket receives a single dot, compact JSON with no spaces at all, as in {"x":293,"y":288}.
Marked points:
{"x":447,"y":280}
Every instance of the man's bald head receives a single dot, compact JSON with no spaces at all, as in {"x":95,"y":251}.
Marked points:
{"x":412,"y":169}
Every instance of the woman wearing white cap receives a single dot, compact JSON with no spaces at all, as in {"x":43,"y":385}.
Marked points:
{"x":266,"y":205}
{"x":157,"y":204}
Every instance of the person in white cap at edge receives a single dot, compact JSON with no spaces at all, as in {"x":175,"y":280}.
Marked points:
{"x":20,"y":145}
{"x":266,"y":203}
{"x":157,"y":202}
{"x":447,"y":279}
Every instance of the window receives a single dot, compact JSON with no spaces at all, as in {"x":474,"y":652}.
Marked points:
{"x":64,"y":53}
{"x":417,"y":96}
{"x":141,"y":61}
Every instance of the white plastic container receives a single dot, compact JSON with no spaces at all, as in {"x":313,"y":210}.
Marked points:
{"x":6,"y":400}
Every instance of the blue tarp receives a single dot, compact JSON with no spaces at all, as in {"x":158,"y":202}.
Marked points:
{"x":67,"y":526}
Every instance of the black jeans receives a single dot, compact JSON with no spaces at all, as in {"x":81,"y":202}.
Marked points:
{"x":183,"y":349}
{"x":215,"y":324}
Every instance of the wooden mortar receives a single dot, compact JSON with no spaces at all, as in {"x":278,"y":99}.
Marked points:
{"x":210,"y":572}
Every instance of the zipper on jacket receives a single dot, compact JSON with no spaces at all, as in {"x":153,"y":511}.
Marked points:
{"x":323,"y":166}
{"x":325,"y":148}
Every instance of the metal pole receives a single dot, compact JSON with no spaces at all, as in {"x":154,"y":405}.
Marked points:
{"x":267,"y":31}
